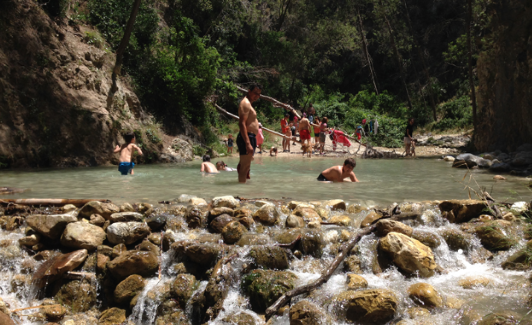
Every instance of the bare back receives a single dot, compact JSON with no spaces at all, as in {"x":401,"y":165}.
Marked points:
{"x":208,"y":167}
{"x":245,"y":109}
{"x":126,"y":151}
{"x":337,"y":174}
{"x":304,"y":124}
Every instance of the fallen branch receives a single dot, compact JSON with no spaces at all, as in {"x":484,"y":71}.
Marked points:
{"x":275,"y":102}
{"x":52,"y":202}
{"x":80,"y":275}
{"x":345,"y":249}
{"x":35,"y":307}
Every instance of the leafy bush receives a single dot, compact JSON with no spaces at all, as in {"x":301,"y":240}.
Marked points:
{"x":457,"y":114}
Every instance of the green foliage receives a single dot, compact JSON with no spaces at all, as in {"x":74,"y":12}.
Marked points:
{"x":457,"y":114}
{"x":94,"y":38}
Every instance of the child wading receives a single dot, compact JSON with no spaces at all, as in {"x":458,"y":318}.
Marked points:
{"x":126,"y":151}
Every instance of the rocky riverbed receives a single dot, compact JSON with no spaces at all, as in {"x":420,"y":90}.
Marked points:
{"x":225,"y":261}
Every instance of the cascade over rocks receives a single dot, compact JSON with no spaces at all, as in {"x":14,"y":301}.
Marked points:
{"x":368,"y":306}
{"x":494,"y":237}
{"x":410,"y":255}
{"x":183,"y":287}
{"x":264,"y":287}
{"x":112,"y":316}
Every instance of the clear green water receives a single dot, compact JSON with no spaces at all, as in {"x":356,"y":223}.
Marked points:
{"x":381,"y":182}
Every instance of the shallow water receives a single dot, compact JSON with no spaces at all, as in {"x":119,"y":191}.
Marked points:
{"x":381,"y":182}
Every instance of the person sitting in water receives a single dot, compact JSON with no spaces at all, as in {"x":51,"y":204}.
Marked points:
{"x":207,"y":166}
{"x":126,"y":151}
{"x":221,"y":166}
{"x":272,"y":151}
{"x":338,"y":173}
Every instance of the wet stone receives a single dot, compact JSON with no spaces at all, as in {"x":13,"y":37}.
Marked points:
{"x":125,"y":217}
{"x":355,"y":282}
{"x":240,"y":318}
{"x":269,"y":257}
{"x":129,"y":288}
{"x":219,"y":222}
{"x":95,"y":207}
{"x":265,"y":287}
{"x":474,"y":281}
{"x":307,"y":313}
{"x":384,"y":227}
{"x":183,"y":287}
{"x":370,"y":218}
{"x":97,"y":220}
{"x":369,"y":306}
{"x":156,"y":222}
{"x":112,"y":316}
{"x":267,"y":215}
{"x":425,"y":295}
{"x":82,"y":235}
{"x":127,"y":232}
{"x":79,"y":295}
{"x":133,"y":262}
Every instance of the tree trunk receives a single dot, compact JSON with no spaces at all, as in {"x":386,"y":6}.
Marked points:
{"x":397,"y":55}
{"x":366,"y":52}
{"x":124,"y":43}
{"x":470,"y":62}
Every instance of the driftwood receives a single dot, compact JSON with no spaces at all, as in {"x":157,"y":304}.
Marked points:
{"x":80,"y":275}
{"x":284,"y":299}
{"x":272,"y":100}
{"x":238,"y":118}
{"x":52,"y":202}
{"x":35,"y":307}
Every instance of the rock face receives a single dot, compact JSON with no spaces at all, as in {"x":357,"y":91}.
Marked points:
{"x":129,"y":288}
{"x":308,"y":313}
{"x":95,"y":207}
{"x":51,"y":226}
{"x":267,"y":215}
{"x":269,"y":257}
{"x":425,"y":295}
{"x":369,"y":306}
{"x":133,"y":262}
{"x":127,"y":232}
{"x":83,"y":235}
{"x":54,"y":268}
{"x":410,"y":255}
{"x":458,"y":211}
{"x":383,"y":227}
{"x":265,"y":287}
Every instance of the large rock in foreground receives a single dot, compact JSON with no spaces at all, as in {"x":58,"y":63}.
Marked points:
{"x":51,"y":226}
{"x":127,"y":232}
{"x":458,"y":211}
{"x":369,"y":306}
{"x":410,"y":255}
{"x":267,"y":215}
{"x":133,"y":262}
{"x":82,"y":235}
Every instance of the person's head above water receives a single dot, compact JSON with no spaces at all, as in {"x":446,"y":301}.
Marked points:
{"x":220,"y":165}
{"x":350,"y":163}
{"x":129,"y":137}
{"x":206,"y":158}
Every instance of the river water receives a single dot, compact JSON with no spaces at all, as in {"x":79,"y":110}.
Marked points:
{"x":381,"y":182}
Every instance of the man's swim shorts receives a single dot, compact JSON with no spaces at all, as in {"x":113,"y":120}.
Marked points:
{"x":242,"y":145}
{"x":322,"y":178}
{"x":304,"y":135}
{"x":125,"y":167}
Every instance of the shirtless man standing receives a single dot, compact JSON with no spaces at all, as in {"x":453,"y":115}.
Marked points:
{"x":249,"y":128}
{"x":338,"y":173}
{"x":304,"y":135}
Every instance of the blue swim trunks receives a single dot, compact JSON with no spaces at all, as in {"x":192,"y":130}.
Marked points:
{"x":125,"y":167}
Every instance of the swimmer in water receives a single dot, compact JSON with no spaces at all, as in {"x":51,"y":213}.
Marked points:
{"x":221,"y":166}
{"x":207,"y":166}
{"x":338,"y":173}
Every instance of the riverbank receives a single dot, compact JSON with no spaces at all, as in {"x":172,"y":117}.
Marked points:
{"x":227,"y":260}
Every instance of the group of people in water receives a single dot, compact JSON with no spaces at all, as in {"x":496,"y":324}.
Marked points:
{"x":250,"y":137}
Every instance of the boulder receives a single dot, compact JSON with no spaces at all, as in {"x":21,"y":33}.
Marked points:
{"x":129,"y":288}
{"x":127,"y":232}
{"x":430,"y":239}
{"x":243,"y":213}
{"x":425,"y":295}
{"x":336,"y":205}
{"x":97,"y":220}
{"x":148,"y":246}
{"x":410,"y":255}
{"x":30,"y":240}
{"x":155,"y":238}
{"x":468,"y":160}
{"x":197,"y":216}
{"x":307,"y":313}
{"x":261,"y":203}
{"x":457,"y":239}
{"x":82,"y":235}
{"x":353,"y":264}
{"x":458,"y":211}
{"x":54,"y":268}
{"x":294,"y":204}
{"x":518,"y":208}
{"x":355,"y":282}
{"x":312,"y":243}
{"x":386,"y":226}
{"x":225,"y":201}
{"x":133,"y":262}
{"x":498,"y":167}
{"x":269,"y":257}
{"x":95,"y":207}
{"x":474,"y":281}
{"x":196,"y":201}
{"x":449,"y":158}
{"x":370,"y":218}
{"x":203,"y":253}
{"x":494,"y":237}
{"x":232,"y":232}
{"x":183,"y":287}
{"x":341,"y":220}
{"x":78,"y":295}
{"x":219,"y":211}
{"x":125,"y":217}
{"x":293,"y":221}
{"x":219,"y":222}
{"x":51,"y":226}
{"x":264,"y":287}
{"x":307,"y":213}
{"x":267,"y":215}
{"x":355,"y":208}
{"x":368,"y":306}
{"x":112,"y":316}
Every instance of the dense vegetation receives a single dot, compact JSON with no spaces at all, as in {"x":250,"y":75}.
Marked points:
{"x":351,"y":59}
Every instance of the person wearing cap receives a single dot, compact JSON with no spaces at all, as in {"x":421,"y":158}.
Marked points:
{"x":260,"y":138}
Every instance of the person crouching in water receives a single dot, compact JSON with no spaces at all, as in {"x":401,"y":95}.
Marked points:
{"x":126,"y":151}
{"x":207,"y":166}
{"x":338,"y":173}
